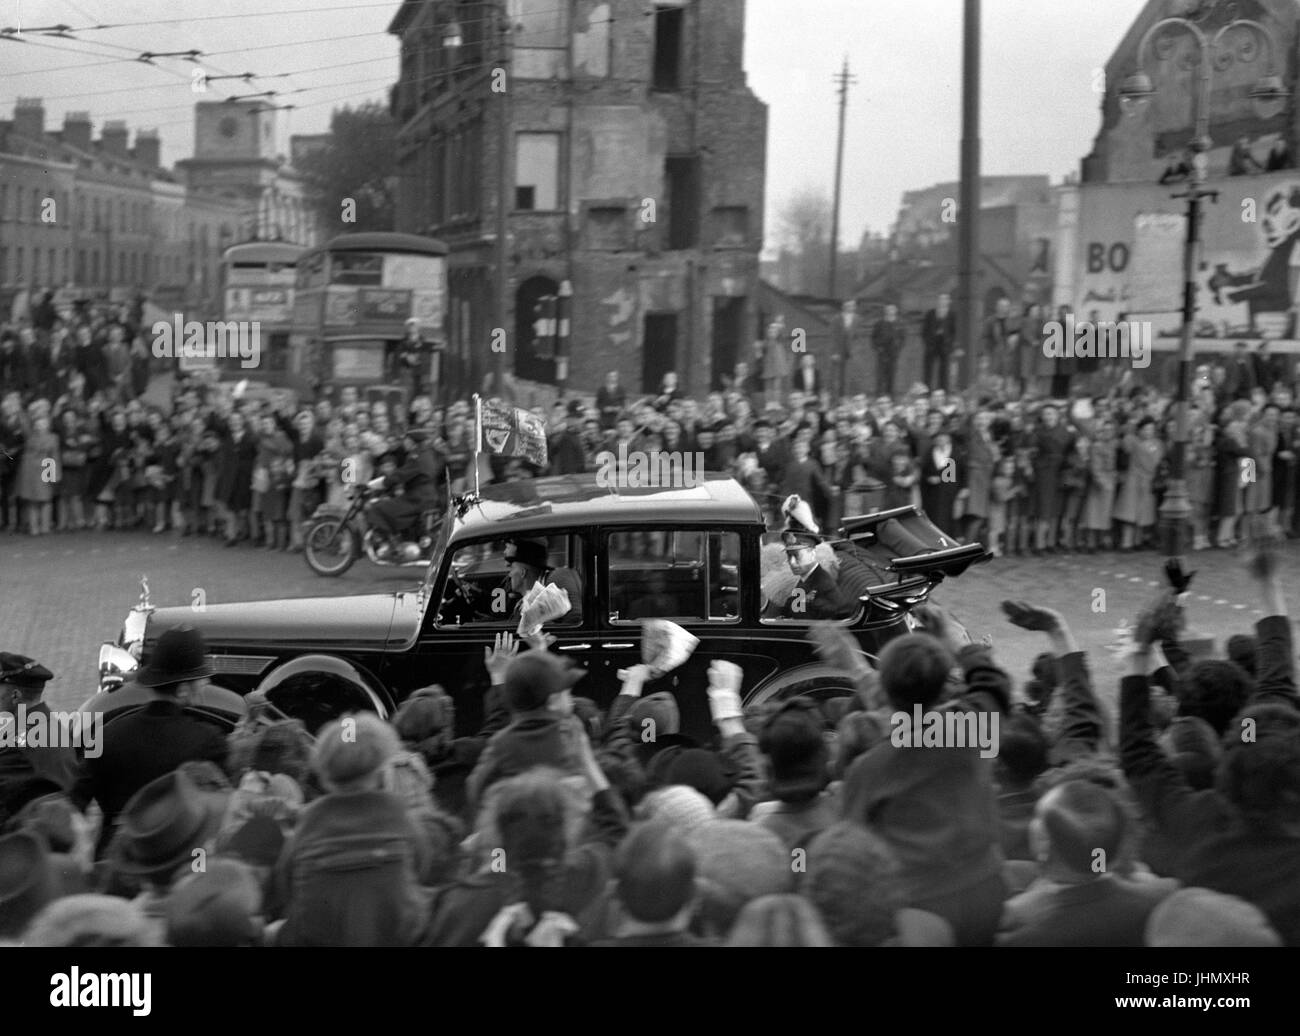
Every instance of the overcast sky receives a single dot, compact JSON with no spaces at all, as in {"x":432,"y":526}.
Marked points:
{"x":1040,"y":109}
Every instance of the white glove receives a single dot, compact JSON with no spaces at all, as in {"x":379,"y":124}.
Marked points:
{"x":634,"y":678}
{"x":724,"y":690}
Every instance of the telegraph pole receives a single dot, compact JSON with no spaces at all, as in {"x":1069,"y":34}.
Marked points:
{"x":843,"y":81}
{"x":968,"y":293}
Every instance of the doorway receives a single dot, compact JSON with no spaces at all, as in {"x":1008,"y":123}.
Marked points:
{"x":728,"y":328}
{"x":658,"y":350}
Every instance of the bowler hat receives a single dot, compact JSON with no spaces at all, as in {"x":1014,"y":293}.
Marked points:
{"x":163,"y":823}
{"x":528,"y":552}
{"x":27,"y":880}
{"x":179,"y":655}
{"x":22,"y":671}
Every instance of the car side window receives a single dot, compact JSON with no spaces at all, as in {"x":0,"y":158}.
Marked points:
{"x":684,"y":574}
{"x":480,"y":591}
{"x":830,"y":593}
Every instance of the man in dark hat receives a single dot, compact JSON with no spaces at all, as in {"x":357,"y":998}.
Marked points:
{"x":145,"y":745}
{"x":529,"y":563}
{"x":420,"y":479}
{"x":160,"y":828}
{"x":29,"y":771}
{"x":816,"y":595}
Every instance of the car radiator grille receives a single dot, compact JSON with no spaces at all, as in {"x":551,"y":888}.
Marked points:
{"x":240,"y":665}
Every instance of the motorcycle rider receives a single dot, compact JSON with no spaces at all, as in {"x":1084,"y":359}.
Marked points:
{"x":420,"y":479}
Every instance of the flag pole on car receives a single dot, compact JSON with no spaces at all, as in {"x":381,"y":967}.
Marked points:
{"x":478,"y":436}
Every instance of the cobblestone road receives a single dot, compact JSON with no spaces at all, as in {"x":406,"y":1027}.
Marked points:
{"x":62,"y":595}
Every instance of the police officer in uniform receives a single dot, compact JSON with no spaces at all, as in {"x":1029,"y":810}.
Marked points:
{"x":27,"y":772}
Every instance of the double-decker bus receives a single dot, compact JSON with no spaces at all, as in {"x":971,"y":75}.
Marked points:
{"x":259,"y":282}
{"x":354,"y":296}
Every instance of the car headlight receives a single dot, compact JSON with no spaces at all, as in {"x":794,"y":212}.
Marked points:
{"x":114,"y":663}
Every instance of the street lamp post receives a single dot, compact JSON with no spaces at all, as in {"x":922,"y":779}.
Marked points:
{"x":1269,"y":95}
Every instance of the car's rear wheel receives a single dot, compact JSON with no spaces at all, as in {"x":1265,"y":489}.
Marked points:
{"x":818,"y":682}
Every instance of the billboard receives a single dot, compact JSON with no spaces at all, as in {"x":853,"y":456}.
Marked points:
{"x":1129,"y":258}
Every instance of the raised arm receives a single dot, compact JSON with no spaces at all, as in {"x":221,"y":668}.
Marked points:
{"x":1275,"y":654}
{"x":1083,"y":729}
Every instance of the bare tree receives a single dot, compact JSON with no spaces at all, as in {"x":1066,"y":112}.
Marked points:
{"x":803,"y":229}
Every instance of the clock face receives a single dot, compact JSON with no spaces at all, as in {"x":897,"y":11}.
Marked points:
{"x":228,"y":127}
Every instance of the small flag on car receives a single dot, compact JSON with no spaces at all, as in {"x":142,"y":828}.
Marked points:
{"x":511,"y":432}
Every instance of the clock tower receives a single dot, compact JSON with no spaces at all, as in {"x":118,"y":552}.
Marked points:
{"x":240,"y":129}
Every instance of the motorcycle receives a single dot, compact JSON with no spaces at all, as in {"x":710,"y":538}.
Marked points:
{"x":336,"y":537}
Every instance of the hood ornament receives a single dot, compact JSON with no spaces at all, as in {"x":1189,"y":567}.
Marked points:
{"x":137,"y":620}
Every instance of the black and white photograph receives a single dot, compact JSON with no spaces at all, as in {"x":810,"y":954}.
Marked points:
{"x":650,"y":473}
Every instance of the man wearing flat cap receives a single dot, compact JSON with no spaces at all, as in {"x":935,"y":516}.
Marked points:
{"x":27,"y":772}
{"x":816,"y":595}
{"x":420,"y":479}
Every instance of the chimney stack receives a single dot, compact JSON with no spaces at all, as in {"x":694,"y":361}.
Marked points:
{"x":29,"y":117}
{"x":148,"y":148}
{"x":112,"y":138}
{"x":76,"y":130}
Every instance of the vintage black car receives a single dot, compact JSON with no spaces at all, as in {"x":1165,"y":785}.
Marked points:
{"x":692,"y":555}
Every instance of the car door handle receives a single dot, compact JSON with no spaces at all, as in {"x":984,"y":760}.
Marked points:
{"x":574,"y":647}
{"x":629,"y":644}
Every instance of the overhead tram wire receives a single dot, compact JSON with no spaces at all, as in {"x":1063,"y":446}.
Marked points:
{"x":9,"y":35}
{"x":285,"y":12}
{"x":244,"y":75}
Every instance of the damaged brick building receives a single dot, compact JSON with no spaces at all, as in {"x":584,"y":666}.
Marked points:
{"x":634,"y":178}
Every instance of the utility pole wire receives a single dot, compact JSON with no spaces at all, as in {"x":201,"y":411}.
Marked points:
{"x":843,"y":80}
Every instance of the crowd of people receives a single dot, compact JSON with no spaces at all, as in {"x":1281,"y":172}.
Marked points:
{"x":561,"y":822}
{"x":86,"y":442}
{"x":800,"y":823}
